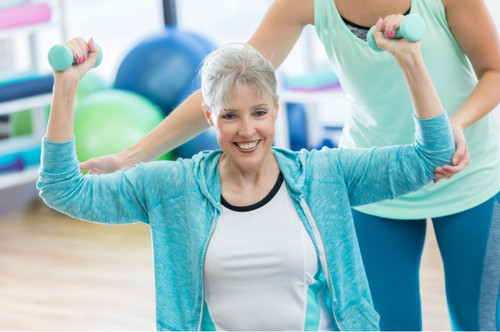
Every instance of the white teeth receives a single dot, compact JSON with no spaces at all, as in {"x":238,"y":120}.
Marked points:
{"x":247,"y":146}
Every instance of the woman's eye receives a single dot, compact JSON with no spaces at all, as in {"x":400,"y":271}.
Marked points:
{"x":261,"y":112}
{"x":228,"y":116}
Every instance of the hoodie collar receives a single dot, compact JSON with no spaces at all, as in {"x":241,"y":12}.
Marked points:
{"x":292,"y":165}
{"x":207,"y":176}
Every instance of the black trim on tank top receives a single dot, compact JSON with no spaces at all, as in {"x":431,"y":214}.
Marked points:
{"x":259,"y":204}
{"x":357,"y":26}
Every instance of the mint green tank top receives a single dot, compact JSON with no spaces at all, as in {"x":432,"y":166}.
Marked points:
{"x":380,"y":109}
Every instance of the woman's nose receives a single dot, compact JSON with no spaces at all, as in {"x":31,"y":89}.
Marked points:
{"x":247,"y":129}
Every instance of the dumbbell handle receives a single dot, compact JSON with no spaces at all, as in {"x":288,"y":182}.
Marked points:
{"x":61,"y":58}
{"x":412,"y":28}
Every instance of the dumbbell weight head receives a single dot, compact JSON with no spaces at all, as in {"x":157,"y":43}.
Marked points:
{"x":412,"y":28}
{"x":61,"y":58}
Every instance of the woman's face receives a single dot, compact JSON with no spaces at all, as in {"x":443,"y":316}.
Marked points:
{"x":245,"y":130}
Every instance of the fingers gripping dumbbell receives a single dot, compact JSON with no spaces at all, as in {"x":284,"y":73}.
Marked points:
{"x":412,"y":28}
{"x":61,"y":58}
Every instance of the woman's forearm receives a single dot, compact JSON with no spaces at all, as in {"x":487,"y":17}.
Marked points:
{"x":184,"y":123}
{"x":482,"y":50}
{"x":480,"y":102}
{"x":425,"y":99}
{"x":61,"y":118}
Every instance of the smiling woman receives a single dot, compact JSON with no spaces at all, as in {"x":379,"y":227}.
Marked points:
{"x":240,"y":101}
{"x":250,"y":221}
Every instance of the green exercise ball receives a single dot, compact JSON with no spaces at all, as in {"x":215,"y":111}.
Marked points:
{"x":168,"y":156}
{"x":109,"y":121}
{"x":20,"y":122}
{"x":90,"y":83}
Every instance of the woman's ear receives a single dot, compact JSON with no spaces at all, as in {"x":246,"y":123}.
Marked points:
{"x":277,"y":105}
{"x":208,"y":114}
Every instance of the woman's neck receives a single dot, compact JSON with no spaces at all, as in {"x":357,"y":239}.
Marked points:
{"x":241,"y":186}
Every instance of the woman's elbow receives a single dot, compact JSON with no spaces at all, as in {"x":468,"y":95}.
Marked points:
{"x":51,"y":196}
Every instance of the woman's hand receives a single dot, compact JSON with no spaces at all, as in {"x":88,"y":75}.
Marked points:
{"x":79,"y":48}
{"x":385,"y":30}
{"x":460,"y":158}
{"x":105,"y":164}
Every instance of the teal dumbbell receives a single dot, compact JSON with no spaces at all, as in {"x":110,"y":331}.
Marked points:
{"x":61,"y":58}
{"x":412,"y":28}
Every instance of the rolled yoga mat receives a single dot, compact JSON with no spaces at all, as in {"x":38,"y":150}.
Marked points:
{"x":24,"y":15}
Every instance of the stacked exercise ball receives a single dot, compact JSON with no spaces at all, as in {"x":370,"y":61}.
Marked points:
{"x":164,"y":67}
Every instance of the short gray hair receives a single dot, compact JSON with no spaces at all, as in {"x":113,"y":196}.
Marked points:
{"x":231,"y":65}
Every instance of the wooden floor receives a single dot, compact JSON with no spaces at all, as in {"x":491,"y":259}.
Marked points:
{"x":63,"y":274}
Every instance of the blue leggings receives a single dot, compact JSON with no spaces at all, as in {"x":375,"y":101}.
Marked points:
{"x":469,"y":243}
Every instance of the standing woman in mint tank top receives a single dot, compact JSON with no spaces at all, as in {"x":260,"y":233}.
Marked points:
{"x":461,"y":49}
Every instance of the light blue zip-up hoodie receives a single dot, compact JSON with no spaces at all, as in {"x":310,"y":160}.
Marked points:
{"x":181,"y":202}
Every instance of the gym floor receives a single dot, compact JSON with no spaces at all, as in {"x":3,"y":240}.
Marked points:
{"x":62,"y":274}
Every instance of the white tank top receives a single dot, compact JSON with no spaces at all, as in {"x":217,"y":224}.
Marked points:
{"x":260,"y":269}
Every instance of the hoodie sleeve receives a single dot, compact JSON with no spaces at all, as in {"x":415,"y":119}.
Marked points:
{"x":381,"y":173}
{"x":115,"y":198}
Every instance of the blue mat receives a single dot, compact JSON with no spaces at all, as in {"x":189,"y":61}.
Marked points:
{"x":26,"y":87}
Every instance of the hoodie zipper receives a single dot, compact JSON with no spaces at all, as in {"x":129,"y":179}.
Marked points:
{"x":322,"y":254}
{"x":202,"y":279}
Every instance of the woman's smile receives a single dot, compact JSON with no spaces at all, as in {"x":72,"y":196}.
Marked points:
{"x":247,"y":146}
